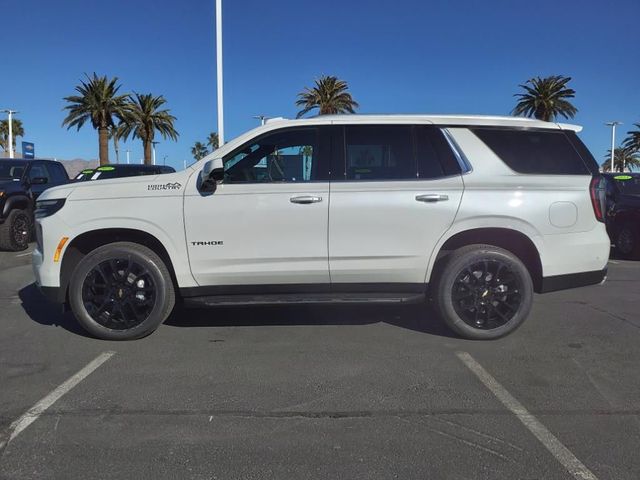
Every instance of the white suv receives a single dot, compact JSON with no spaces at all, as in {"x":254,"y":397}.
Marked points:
{"x":472,"y":213}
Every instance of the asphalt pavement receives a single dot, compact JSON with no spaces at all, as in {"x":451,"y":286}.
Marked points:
{"x":323,"y":392}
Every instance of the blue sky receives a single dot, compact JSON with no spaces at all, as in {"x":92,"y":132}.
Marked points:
{"x":405,"y":56}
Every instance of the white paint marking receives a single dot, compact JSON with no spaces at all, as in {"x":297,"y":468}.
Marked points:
{"x":614,"y":262}
{"x":23,"y":254}
{"x":568,"y":460}
{"x":34,"y":412}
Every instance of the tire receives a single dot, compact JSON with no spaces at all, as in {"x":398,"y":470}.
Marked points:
{"x":627,"y":243}
{"x":15,"y":232}
{"x":121,"y":291}
{"x":471,"y":298}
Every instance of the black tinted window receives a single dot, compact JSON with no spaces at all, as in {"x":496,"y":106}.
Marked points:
{"x":39,"y":170}
{"x":379,"y":153}
{"x":433,"y":153}
{"x":58,"y":173}
{"x":534,"y":151}
{"x":290,"y":155}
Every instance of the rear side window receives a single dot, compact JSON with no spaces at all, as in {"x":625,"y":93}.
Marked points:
{"x":542,"y":152}
{"x":379,"y":153}
{"x":58,"y":173}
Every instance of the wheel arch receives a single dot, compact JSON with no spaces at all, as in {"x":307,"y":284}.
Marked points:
{"x":16,"y":201}
{"x":90,"y":240}
{"x":509,"y":239}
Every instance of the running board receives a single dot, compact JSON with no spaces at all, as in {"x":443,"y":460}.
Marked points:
{"x":306,"y":298}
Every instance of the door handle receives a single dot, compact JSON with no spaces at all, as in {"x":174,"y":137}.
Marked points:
{"x":305,"y":199}
{"x":432,"y":198}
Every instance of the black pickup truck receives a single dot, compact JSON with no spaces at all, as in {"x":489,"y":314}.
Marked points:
{"x":623,"y":212}
{"x":21,"y":182}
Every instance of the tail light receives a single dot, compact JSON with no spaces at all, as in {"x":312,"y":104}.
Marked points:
{"x":597,"y":191}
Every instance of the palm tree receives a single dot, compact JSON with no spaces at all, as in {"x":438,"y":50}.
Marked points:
{"x":632,"y":142}
{"x":115,"y":134}
{"x":17,"y":130}
{"x":199,"y":150}
{"x":546,"y":98}
{"x":624,"y":158}
{"x":329,"y":96}
{"x":143,"y":117}
{"x":213,"y":141}
{"x":99,"y":102}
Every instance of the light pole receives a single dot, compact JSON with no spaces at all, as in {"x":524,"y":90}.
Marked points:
{"x":128,"y":156}
{"x":9,"y":113}
{"x":219,"y":71}
{"x":613,"y":143}
{"x":263,"y":118}
{"x":164,"y":160}
{"x":153,"y":158}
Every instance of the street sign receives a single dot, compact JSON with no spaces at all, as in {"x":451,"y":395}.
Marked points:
{"x":28,"y":150}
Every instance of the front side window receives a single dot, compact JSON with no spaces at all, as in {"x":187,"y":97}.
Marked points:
{"x":39,"y":170}
{"x":285,"y":156}
{"x":379,"y":153}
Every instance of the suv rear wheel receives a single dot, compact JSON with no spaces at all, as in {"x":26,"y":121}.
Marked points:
{"x":483,"y":292}
{"x":15,"y":231}
{"x":627,"y":242}
{"x":121,"y":291}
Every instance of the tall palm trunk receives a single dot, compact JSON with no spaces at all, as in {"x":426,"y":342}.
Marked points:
{"x":116,"y":147}
{"x":147,"y":152}
{"x":103,"y":139}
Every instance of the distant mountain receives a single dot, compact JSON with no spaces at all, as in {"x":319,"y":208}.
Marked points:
{"x":76,"y":165}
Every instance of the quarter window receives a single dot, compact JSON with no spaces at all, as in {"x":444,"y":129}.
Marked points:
{"x":284,"y":156}
{"x":542,"y":152}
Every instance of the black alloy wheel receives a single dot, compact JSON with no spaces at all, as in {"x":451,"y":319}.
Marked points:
{"x":119,"y":293}
{"x":486,"y":294}
{"x":20,"y":230}
{"x":482,"y":291}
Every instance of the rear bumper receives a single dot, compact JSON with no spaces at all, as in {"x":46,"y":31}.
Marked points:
{"x":573,"y":280}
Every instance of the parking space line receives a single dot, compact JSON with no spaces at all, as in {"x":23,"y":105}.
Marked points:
{"x":568,"y":460}
{"x":34,"y":412}
{"x":23,"y":254}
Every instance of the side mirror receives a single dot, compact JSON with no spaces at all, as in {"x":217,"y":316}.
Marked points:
{"x":212,"y":172}
{"x":39,"y":180}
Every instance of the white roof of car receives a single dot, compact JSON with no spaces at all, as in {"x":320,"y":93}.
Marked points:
{"x":445,"y":120}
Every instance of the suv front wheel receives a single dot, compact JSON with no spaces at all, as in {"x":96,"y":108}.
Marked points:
{"x":15,"y":231}
{"x":121,"y":291}
{"x":483,"y":292}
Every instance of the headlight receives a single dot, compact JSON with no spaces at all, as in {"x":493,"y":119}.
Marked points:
{"x":46,"y":208}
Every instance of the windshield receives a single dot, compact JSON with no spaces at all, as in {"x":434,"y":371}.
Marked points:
{"x":627,"y":184}
{"x":11,"y":170}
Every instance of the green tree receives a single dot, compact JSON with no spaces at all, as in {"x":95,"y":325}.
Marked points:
{"x":213,"y":141}
{"x":97,"y":101}
{"x":143,"y":116}
{"x":624,"y":159}
{"x":17,"y":130}
{"x":199,"y":150}
{"x":329,"y":96}
{"x":546,"y":98}
{"x":632,"y":142}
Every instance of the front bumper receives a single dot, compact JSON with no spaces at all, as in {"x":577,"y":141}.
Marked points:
{"x":52,"y":293}
{"x":573,"y":280}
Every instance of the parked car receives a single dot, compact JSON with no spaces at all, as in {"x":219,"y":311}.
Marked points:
{"x":120,"y":170}
{"x":21,"y":183}
{"x":473,"y":213}
{"x":623,"y":212}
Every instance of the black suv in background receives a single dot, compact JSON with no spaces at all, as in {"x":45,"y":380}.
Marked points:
{"x":118,"y":171}
{"x":623,"y":212}
{"x":21,"y":182}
